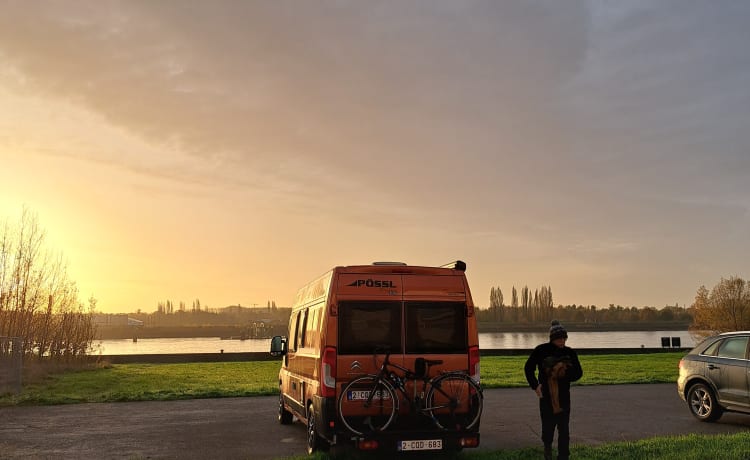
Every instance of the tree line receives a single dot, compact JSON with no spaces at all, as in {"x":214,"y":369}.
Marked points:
{"x":538,"y":306}
{"x":38,"y":302}
{"x":202,"y":315}
{"x":167,"y":308}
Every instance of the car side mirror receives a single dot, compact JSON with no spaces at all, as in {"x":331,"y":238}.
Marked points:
{"x":278,"y":346}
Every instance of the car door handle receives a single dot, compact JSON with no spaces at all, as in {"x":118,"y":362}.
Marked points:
{"x":712,"y":367}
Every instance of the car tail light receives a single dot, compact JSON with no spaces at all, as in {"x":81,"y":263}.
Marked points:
{"x":474,"y":363}
{"x":328,"y":372}
{"x":679,"y":366}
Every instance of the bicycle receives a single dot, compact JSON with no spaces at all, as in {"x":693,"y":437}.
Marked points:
{"x":370,"y":403}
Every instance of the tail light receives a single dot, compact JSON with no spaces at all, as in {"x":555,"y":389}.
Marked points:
{"x":469,"y":442}
{"x":474,"y":362}
{"x":328,"y":372}
{"x":370,"y":444}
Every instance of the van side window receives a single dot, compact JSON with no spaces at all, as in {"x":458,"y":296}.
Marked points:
{"x":364,"y":326}
{"x":294,"y":333}
{"x":436,"y":327}
{"x":313,"y":327}
{"x":302,"y":328}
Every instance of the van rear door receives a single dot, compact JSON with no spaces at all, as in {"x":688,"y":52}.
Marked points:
{"x":369,"y":317}
{"x":413,"y":315}
{"x":437,"y":322}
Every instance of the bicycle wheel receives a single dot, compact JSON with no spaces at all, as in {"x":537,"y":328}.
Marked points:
{"x":455,"y":402}
{"x":367,"y":404}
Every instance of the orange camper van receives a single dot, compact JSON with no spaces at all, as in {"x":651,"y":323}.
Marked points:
{"x":374,"y":355}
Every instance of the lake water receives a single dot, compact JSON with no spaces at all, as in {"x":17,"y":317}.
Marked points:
{"x":487,"y":340}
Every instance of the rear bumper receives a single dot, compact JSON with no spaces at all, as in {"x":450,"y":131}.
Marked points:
{"x":411,"y":428}
{"x":391,"y":441}
{"x":404,"y":428}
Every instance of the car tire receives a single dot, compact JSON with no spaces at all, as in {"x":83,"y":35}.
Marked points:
{"x":314,"y":441}
{"x":703,"y":404}
{"x":285,"y":417}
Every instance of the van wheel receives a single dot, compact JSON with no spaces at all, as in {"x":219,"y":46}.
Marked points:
{"x":314,"y":442}
{"x":285,"y":417}
{"x":703,"y":404}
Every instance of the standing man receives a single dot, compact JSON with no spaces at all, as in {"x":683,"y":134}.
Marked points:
{"x":557,"y":366}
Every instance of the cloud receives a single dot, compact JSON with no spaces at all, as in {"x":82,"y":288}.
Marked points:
{"x":665,"y":97}
{"x":478,"y":104}
{"x":257,"y":82}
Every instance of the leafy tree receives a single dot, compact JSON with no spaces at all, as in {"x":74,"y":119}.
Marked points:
{"x":725,"y":308}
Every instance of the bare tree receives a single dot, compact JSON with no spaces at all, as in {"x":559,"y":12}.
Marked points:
{"x":38,"y":303}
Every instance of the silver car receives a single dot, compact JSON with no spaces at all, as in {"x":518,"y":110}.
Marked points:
{"x":715,"y":376}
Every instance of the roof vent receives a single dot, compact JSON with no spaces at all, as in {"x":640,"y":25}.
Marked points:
{"x":388,"y":263}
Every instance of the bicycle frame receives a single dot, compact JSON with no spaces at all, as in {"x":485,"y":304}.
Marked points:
{"x":399,"y":383}
{"x":416,"y":403}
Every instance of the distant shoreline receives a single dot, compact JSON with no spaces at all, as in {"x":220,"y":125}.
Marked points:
{"x":158,"y":332}
{"x":180,"y":332}
{"x":587,"y":327}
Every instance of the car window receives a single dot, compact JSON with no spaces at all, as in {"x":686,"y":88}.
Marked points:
{"x":711,"y":350}
{"x":364,"y":326}
{"x":733,"y":347}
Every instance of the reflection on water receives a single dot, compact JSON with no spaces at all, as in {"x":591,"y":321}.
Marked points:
{"x":488,"y":340}
{"x":613,"y":339}
{"x":179,"y":345}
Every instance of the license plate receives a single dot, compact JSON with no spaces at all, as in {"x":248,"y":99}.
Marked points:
{"x":360,"y":395}
{"x":421,"y":444}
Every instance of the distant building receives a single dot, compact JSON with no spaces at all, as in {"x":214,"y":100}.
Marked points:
{"x":115,"y":319}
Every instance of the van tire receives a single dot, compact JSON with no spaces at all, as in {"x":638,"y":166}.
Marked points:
{"x":314,"y":441}
{"x":285,"y":417}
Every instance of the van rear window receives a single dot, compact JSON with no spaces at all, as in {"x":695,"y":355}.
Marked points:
{"x":436,"y":327}
{"x":364,"y":326}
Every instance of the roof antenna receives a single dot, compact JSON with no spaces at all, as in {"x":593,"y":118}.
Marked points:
{"x":459,"y":265}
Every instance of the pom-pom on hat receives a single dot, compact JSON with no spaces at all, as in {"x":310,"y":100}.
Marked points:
{"x":557,"y":331}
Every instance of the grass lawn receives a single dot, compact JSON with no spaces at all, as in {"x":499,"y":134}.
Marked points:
{"x":151,"y":382}
{"x":144,"y":382}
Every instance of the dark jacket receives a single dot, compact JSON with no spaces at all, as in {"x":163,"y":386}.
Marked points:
{"x":542,"y":356}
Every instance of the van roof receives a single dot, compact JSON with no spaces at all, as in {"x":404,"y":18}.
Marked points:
{"x":400,"y":268}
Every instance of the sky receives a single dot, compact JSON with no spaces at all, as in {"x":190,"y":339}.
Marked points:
{"x":232,"y":151}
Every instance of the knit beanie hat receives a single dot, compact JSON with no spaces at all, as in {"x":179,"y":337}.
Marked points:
{"x":557,"y":331}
